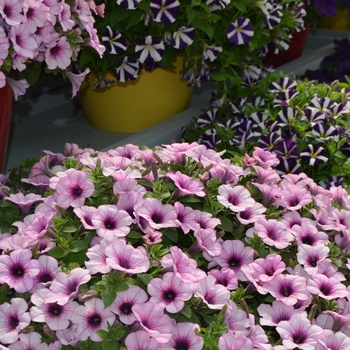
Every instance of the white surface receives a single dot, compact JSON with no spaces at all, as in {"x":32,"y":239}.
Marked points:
{"x":46,"y":117}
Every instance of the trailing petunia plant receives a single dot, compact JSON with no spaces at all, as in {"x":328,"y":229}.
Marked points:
{"x":171,"y":248}
{"x":305,"y":123}
{"x":39,"y":38}
{"x":219,"y":40}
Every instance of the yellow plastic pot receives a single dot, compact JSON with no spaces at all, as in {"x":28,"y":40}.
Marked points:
{"x":136,"y":105}
{"x":340,"y":21}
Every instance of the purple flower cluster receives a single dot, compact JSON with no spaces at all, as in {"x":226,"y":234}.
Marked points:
{"x":172,"y":248}
{"x":302,"y":122}
{"x":335,"y":66}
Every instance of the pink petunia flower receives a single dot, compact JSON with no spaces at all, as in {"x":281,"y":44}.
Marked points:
{"x":157,"y":214}
{"x":58,"y":54}
{"x":35,"y":13}
{"x":11,"y":12}
{"x":66,"y":286}
{"x":122,"y":305}
{"x":184,"y":217}
{"x":310,"y":256}
{"x":125,"y":258}
{"x":288,"y":288}
{"x":25,"y":202}
{"x":236,"y":319}
{"x":184,"y":336}
{"x":23,"y":42}
{"x":72,"y":188}
{"x":186,"y":185}
{"x":272,"y":232}
{"x":224,"y":276}
{"x":111,"y":221}
{"x":154,"y":321}
{"x":56,"y":316}
{"x":236,"y":198}
{"x":271,"y":315}
{"x":169,"y":292}
{"x":18,"y":270}
{"x":92,"y":317}
{"x":27,"y":341}
{"x":231,"y":341}
{"x":215,"y":296}
{"x":184,"y":267}
{"x":234,"y":255}
{"x":328,"y":288}
{"x":141,"y":340}
{"x":13,"y":319}
{"x":298,"y":333}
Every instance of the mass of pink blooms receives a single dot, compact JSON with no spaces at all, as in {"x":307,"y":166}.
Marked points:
{"x":172,"y":248}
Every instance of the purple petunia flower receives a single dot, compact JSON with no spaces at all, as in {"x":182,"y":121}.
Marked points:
{"x":240,"y":31}
{"x":149,"y":50}
{"x":327,"y":8}
{"x":114,"y":42}
{"x":165,"y":11}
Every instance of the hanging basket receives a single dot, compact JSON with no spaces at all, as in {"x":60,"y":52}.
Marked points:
{"x":136,"y":105}
{"x":6,"y":102}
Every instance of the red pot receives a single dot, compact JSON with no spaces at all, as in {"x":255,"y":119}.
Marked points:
{"x":6,"y":101}
{"x":296,"y":47}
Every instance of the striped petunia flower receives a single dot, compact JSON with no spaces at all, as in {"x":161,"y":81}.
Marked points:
{"x":128,"y":69}
{"x":240,"y":31}
{"x":210,"y":53}
{"x":314,"y":156}
{"x":165,"y":11}
{"x":183,"y":37}
{"x":114,"y":42}
{"x":128,"y":4}
{"x":149,"y":49}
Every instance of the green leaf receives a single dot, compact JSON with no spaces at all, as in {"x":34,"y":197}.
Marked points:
{"x":218,"y":76}
{"x":226,"y":224}
{"x":57,"y":252}
{"x":70,"y":229}
{"x":108,"y":296}
{"x":171,"y":234}
{"x":191,"y":14}
{"x":134,"y":234}
{"x":240,"y":6}
{"x":121,"y":286}
{"x":110,"y":345}
{"x":186,"y":311}
{"x":145,"y":278}
{"x":102,"y":334}
{"x":134,"y":18}
{"x":145,"y":182}
{"x":78,"y":246}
